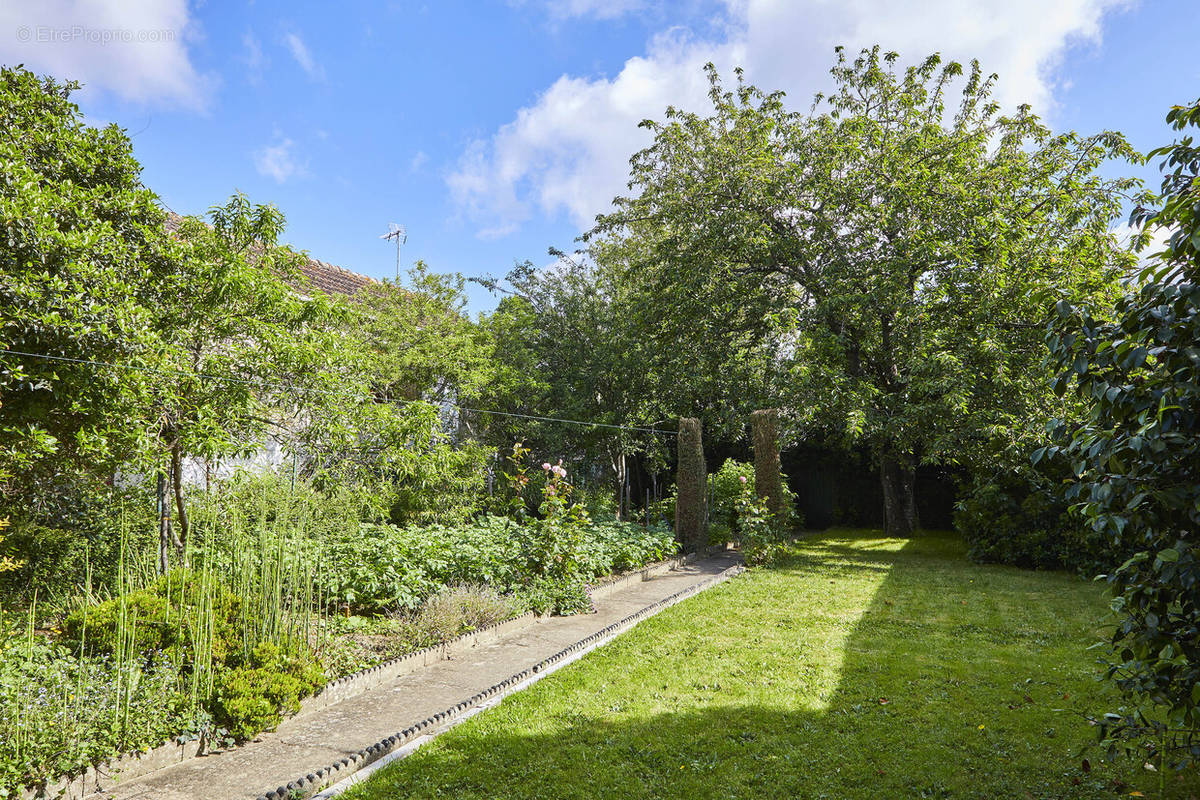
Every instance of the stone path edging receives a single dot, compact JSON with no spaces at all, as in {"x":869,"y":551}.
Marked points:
{"x":408,"y":740}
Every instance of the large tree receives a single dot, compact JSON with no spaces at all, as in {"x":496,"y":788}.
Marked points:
{"x":901,"y":246}
{"x":84,"y":257}
{"x":243,"y":354}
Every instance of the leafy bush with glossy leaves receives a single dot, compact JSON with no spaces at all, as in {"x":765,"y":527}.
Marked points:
{"x":1136,"y":460}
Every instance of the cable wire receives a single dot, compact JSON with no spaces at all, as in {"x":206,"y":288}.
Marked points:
{"x":272,"y":385}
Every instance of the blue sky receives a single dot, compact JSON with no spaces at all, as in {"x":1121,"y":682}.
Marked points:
{"x":494,"y":130}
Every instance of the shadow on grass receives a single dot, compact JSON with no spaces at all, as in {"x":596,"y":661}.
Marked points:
{"x":858,"y":668}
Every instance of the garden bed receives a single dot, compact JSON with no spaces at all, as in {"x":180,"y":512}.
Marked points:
{"x":162,"y":663}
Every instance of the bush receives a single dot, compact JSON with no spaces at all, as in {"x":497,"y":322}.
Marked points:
{"x":248,"y":699}
{"x":1136,"y":462}
{"x":728,"y":486}
{"x":1018,"y":523}
{"x":546,"y":595}
{"x":189,"y":621}
{"x":71,"y":537}
{"x":165,"y":619}
{"x":461,"y":609}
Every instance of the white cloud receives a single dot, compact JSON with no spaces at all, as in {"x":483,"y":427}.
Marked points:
{"x":596,"y":9}
{"x":253,"y":58}
{"x":419,"y":159}
{"x":304,"y":58}
{"x":134,"y":49}
{"x":279,"y":161}
{"x":568,"y":152}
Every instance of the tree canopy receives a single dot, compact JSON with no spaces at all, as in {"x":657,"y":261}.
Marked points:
{"x":899,"y":247}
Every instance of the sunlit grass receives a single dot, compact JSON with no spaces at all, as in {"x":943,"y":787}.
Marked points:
{"x":862,"y":667}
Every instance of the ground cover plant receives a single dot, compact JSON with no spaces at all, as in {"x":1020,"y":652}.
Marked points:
{"x":858,"y":667}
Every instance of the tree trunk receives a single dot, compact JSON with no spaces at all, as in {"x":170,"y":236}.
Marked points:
{"x":164,"y":525}
{"x":691,"y":506}
{"x":768,"y":483}
{"x":180,"y":505}
{"x":898,"y":480}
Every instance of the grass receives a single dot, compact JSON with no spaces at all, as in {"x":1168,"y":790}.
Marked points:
{"x":860,"y":667}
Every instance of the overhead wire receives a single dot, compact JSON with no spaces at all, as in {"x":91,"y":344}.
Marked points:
{"x":261,"y":384}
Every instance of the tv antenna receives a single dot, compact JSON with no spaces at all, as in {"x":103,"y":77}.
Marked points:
{"x":398,"y":233}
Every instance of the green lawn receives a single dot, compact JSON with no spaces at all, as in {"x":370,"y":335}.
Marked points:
{"x":861,"y":667}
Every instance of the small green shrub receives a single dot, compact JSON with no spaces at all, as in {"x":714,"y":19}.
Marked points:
{"x":728,"y":484}
{"x":249,"y":698}
{"x":164,"y":618}
{"x":564,"y":596}
{"x":759,"y":532}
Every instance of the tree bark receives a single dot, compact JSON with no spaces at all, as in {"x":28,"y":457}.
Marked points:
{"x":768,"y":482}
{"x":898,"y":480}
{"x":180,"y":505}
{"x":164,"y":525}
{"x":691,"y":506}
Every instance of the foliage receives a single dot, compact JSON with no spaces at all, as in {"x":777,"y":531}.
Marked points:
{"x":67,"y":538}
{"x":160,"y":621}
{"x":566,"y":347}
{"x":858,"y":667}
{"x":1136,"y":456}
{"x":7,"y":564}
{"x":760,"y":533}
{"x":419,"y":344}
{"x":378,"y":567}
{"x":895,"y":248}
{"x":60,"y":713}
{"x":730,"y":516}
{"x":250,"y":697}
{"x":457,"y":610}
{"x":85,"y":260}
{"x":1018,"y":519}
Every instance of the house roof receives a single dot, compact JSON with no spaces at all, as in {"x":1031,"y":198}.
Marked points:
{"x":326,"y":277}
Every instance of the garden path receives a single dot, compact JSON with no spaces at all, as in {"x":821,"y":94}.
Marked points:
{"x":313,"y":741}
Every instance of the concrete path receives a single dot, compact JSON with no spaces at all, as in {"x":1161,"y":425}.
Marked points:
{"x":308,"y":743}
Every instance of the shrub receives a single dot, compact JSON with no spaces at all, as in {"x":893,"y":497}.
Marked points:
{"x":1136,"y":461}
{"x":547,"y":595}
{"x":170,"y":617}
{"x":73,"y":537}
{"x":759,"y":532}
{"x":460,"y":609}
{"x":1016,"y":522}
{"x":729,"y":484}
{"x":249,"y":698}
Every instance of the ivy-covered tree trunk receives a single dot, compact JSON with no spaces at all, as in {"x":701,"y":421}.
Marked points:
{"x":690,"y":499}
{"x":898,"y":481}
{"x":768,"y":483}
